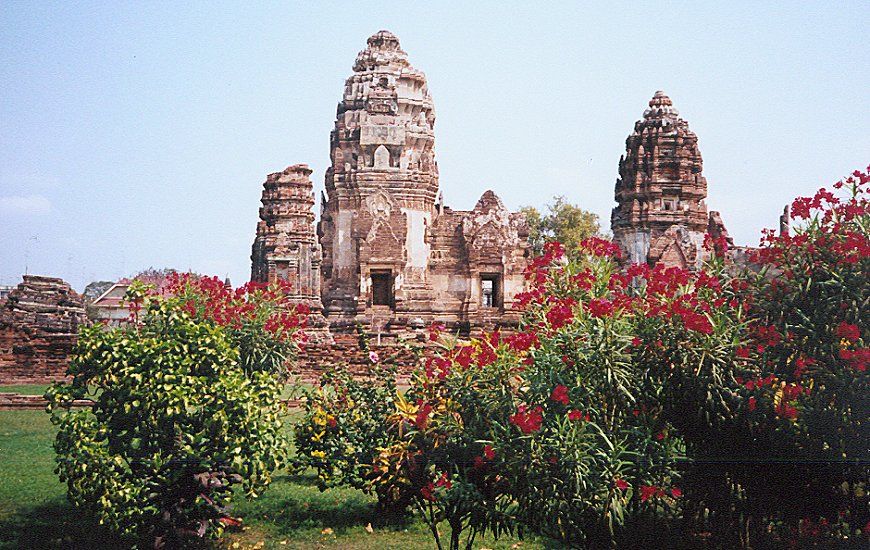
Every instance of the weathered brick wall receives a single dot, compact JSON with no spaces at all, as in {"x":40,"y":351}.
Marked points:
{"x":346,"y":352}
{"x":39,"y":321}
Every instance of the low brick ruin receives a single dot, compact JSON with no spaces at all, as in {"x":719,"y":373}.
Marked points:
{"x":39,"y":321}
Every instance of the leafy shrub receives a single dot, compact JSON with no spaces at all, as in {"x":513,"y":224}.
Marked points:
{"x":561,"y":428}
{"x":343,"y":425}
{"x":629,"y":399}
{"x":185,"y":407}
{"x":789,"y":463}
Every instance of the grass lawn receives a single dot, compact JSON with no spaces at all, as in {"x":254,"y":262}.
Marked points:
{"x":292,"y":513}
{"x":26,"y":389}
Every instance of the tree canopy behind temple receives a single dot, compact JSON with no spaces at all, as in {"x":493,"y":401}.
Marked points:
{"x":563,"y":222}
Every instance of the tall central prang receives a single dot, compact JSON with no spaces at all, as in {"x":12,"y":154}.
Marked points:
{"x":381,"y":189}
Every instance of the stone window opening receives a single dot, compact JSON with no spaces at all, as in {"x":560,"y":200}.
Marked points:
{"x":670,"y":204}
{"x":382,"y":288}
{"x":490,"y":290}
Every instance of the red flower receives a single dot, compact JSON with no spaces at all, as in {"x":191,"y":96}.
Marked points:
{"x":753,"y":403}
{"x":528,"y":421}
{"x":620,"y":484}
{"x":479,"y":462}
{"x":786,"y":410}
{"x":578,"y":415}
{"x":600,"y":247}
{"x":697,"y":322}
{"x":422,"y":419}
{"x":488,"y":452}
{"x":676,"y":492}
{"x":647,"y":492}
{"x":857,"y":359}
{"x":332,"y":422}
{"x":522,"y":341}
{"x":561,"y":313}
{"x":560,"y":394}
{"x":636,"y":341}
{"x":443,"y":481}
{"x":742,"y":352}
{"x":848,"y":331}
{"x":599,"y":307}
{"x":462,"y":355}
{"x":428,"y":492}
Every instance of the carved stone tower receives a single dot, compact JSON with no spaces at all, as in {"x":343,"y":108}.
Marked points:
{"x":381,"y":191}
{"x":661,"y":214}
{"x":286,"y":247}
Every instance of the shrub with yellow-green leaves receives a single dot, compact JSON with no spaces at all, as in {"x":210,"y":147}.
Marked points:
{"x":178,"y":418}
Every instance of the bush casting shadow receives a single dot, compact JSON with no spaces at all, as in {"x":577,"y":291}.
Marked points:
{"x":56,"y":525}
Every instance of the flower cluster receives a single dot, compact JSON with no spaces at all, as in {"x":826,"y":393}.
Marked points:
{"x":253,"y":303}
{"x":528,"y":420}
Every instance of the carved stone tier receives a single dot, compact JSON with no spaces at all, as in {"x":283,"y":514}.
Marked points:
{"x":286,"y":247}
{"x":661,"y":215}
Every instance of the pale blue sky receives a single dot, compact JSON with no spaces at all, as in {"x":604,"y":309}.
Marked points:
{"x":138,"y":134}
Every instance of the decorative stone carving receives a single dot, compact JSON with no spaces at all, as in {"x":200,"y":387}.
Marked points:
{"x":285,"y":247}
{"x":392,"y":256}
{"x":661,"y":215}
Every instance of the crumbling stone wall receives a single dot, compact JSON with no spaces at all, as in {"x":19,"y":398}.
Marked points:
{"x":39,"y":321}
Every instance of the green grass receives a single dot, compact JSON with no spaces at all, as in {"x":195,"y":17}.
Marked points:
{"x":292,"y":513}
{"x":26,"y":389}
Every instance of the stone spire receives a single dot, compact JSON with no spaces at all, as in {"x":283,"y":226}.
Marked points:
{"x":382,"y":185}
{"x":661,"y":214}
{"x":286,"y":247}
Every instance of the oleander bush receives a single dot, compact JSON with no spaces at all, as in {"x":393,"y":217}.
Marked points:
{"x":790,"y":462}
{"x":646,"y":407}
{"x":186,"y":407}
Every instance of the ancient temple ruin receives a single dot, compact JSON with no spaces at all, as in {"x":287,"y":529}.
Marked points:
{"x":393,"y":256}
{"x":661,"y":216}
{"x":39,"y":322}
{"x":286,"y":247}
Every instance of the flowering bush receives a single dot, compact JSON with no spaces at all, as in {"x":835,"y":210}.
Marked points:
{"x":628,"y":397}
{"x":796,"y":448}
{"x":561,"y":427}
{"x":185,"y":408}
{"x":260,"y":319}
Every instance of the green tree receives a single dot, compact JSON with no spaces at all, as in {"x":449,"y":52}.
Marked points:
{"x":564,"y":222}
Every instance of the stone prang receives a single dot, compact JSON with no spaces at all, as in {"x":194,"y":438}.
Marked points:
{"x":661,"y":216}
{"x":394,"y":258}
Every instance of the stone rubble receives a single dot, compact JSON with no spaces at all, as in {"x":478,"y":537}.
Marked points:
{"x":39,"y":322}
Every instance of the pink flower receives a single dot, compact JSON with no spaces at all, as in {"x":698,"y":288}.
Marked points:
{"x":373,"y":357}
